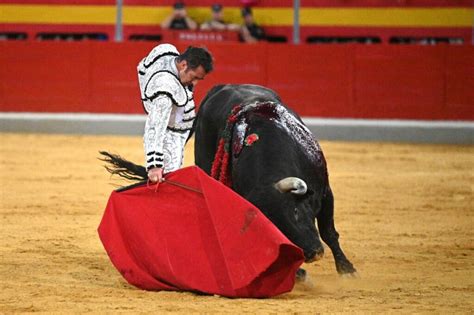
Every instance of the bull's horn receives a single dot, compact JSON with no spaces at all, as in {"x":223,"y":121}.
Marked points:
{"x":294,"y":185}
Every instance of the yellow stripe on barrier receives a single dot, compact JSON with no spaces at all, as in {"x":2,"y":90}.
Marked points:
{"x":413,"y":17}
{"x":148,"y":15}
{"x":145,"y":15}
{"x":57,"y":14}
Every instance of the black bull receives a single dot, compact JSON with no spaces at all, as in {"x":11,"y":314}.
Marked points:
{"x":283,"y":173}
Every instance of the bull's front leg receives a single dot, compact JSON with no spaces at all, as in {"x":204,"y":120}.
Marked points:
{"x":329,"y":235}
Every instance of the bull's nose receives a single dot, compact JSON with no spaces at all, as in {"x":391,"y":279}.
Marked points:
{"x":313,"y":255}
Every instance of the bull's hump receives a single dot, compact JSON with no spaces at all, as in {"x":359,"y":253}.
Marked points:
{"x":276,"y":115}
{"x":299,"y":133}
{"x":251,"y":92}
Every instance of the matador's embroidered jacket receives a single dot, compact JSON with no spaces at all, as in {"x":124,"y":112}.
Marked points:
{"x":169,"y":105}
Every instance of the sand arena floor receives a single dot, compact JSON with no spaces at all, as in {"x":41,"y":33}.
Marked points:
{"x":405,"y":214}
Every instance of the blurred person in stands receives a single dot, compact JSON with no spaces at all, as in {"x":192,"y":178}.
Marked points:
{"x":250,"y":31}
{"x":216,"y":23}
{"x":179,"y":19}
{"x":166,"y":80}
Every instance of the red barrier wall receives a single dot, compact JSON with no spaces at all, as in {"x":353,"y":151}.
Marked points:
{"x":344,"y":81}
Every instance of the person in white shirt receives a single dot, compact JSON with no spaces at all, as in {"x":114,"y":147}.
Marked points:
{"x":166,"y":80}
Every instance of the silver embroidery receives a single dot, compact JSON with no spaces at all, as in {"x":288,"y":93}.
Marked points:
{"x":157,"y":51}
{"x":166,"y":83}
{"x":167,"y":125}
{"x":174,"y":150}
{"x":187,"y":117}
{"x":155,"y":127}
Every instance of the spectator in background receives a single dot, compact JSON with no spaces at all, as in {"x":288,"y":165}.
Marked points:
{"x":250,"y":31}
{"x":216,"y":23}
{"x":179,"y":19}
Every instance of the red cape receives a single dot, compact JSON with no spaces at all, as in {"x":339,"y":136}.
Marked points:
{"x":214,"y":242}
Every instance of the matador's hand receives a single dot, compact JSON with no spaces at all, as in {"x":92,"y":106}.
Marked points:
{"x":155,"y":174}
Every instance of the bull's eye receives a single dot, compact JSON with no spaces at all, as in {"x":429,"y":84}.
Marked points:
{"x":296,"y":214}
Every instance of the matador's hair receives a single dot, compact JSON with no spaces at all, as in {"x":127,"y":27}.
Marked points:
{"x":197,"y":56}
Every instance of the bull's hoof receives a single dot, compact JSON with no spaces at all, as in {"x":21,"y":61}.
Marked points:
{"x":319,"y":255}
{"x":346,"y":269}
{"x":314,"y":256}
{"x":300,"y":274}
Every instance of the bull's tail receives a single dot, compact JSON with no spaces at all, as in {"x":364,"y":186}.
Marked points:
{"x":116,"y":165}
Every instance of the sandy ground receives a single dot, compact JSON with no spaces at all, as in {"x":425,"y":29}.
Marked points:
{"x":405,"y":214}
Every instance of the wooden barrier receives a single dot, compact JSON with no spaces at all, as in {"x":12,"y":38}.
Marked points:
{"x":341,"y":81}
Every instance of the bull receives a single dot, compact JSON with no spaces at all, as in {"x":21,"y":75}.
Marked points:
{"x":273,"y":162}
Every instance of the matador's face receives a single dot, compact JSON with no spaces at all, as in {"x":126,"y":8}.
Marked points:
{"x":189,"y":76}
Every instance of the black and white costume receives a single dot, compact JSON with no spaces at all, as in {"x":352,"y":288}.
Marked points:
{"x":170,"y":109}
